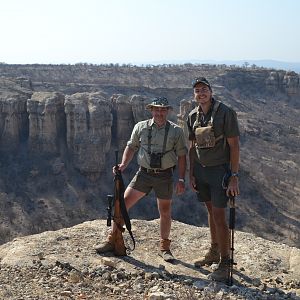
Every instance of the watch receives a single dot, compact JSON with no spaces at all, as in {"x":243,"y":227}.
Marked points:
{"x":234,"y":174}
{"x":181,"y":180}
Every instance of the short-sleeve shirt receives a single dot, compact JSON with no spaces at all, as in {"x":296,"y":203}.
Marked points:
{"x":224,"y":123}
{"x":175,"y":145}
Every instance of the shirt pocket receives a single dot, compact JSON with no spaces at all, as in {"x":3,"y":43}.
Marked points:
{"x":144,"y":137}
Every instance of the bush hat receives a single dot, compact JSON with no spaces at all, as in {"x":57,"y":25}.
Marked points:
{"x":201,"y":80}
{"x":159,"y":102}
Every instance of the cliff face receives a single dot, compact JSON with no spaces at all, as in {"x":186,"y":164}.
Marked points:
{"x":58,"y":137}
{"x":13,"y":115}
{"x":85,"y":126}
{"x":288,"y":82}
{"x":46,"y":122}
{"x":89,"y":121}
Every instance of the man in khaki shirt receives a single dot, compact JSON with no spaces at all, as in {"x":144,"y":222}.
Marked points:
{"x":213,"y":159}
{"x":160,"y":146}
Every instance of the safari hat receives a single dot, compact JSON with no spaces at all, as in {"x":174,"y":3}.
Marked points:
{"x":158,"y":102}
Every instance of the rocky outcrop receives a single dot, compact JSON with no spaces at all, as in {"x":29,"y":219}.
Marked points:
{"x":138,"y":104}
{"x":13,"y":115}
{"x":62,"y":264}
{"x":286,"y":82}
{"x":123,"y":120}
{"x":89,"y":122}
{"x":46,"y":122}
{"x":291,"y":82}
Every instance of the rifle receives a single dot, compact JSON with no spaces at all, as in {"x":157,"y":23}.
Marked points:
{"x":120,"y":215}
{"x":231,"y":227}
{"x":109,"y":208}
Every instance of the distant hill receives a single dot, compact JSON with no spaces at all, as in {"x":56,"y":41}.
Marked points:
{"x":266,"y":63}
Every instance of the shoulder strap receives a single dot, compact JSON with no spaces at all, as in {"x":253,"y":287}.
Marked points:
{"x":215,"y":109}
{"x":149,"y":136}
{"x":165,"y":138}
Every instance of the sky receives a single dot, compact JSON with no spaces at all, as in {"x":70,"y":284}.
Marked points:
{"x":140,"y":31}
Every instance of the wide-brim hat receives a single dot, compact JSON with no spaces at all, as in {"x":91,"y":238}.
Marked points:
{"x":201,"y":80}
{"x":159,"y":102}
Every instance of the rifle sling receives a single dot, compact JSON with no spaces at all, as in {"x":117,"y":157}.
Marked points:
{"x":123,"y":207}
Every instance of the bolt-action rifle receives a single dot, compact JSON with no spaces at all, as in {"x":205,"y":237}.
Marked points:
{"x":120,"y":215}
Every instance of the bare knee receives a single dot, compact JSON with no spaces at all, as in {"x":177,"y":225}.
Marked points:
{"x":132,"y":196}
{"x":164,"y":208}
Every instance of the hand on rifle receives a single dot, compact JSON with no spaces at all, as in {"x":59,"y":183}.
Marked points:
{"x":180,"y":188}
{"x":120,"y":167}
{"x":233,"y":187}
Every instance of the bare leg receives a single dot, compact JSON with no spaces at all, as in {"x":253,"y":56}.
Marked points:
{"x":222,"y":231}
{"x":211,"y":223}
{"x":131,"y":197}
{"x":164,"y":208}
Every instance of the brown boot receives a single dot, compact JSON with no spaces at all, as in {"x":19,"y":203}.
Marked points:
{"x":107,"y":246}
{"x":164,"y":251}
{"x":222,"y":272}
{"x":212,"y":256}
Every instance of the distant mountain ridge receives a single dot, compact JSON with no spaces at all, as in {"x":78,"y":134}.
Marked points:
{"x":267,"y":63}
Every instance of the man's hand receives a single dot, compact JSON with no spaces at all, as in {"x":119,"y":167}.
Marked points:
{"x":193,"y":183}
{"x":180,"y":188}
{"x":121,"y":167}
{"x":233,"y":186}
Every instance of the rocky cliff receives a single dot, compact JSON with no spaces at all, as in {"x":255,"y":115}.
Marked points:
{"x":60,"y":127}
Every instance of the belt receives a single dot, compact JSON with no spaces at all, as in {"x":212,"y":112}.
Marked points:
{"x":157,"y":171}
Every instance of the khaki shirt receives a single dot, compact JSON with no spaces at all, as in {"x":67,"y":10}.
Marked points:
{"x":175,"y":145}
{"x":225,"y":123}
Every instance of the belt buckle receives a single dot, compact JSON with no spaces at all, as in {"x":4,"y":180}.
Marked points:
{"x":155,"y":171}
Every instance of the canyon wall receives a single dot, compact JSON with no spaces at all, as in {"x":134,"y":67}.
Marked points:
{"x":60,"y":127}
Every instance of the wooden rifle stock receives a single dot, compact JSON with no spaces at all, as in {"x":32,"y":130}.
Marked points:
{"x":119,"y":249}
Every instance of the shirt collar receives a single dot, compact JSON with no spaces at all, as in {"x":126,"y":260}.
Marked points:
{"x":152,"y":123}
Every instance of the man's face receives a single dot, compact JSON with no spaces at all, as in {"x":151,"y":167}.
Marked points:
{"x":202,"y":93}
{"x":159,"y":114}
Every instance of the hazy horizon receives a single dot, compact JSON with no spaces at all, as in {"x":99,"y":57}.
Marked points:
{"x":137,"y":31}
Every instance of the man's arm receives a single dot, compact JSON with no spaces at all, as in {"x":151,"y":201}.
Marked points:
{"x":181,"y":166}
{"x":192,"y":159}
{"x":126,"y":158}
{"x":234,"y":145}
{"x":180,"y":186}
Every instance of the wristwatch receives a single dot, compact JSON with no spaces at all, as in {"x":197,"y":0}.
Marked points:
{"x":234,"y":174}
{"x":181,"y":180}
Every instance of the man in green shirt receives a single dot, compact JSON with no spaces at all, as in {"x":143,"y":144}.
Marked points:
{"x":214,"y":156}
{"x":160,"y":146}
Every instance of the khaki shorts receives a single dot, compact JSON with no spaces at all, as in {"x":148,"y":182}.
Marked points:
{"x":161,"y":183}
{"x":209,"y":184}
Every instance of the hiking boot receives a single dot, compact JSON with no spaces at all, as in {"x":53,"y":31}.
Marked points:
{"x":107,"y":246}
{"x":104,"y":247}
{"x":222,"y":272}
{"x":164,"y":251}
{"x":212,"y":256}
{"x":166,"y":255}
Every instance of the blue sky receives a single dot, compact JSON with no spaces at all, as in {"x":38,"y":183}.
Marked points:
{"x":140,"y":31}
